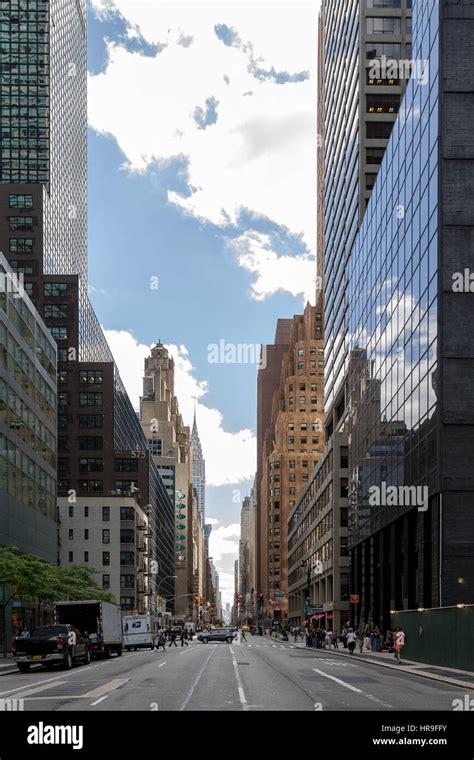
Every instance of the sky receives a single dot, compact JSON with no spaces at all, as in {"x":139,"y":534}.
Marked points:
{"x":202,"y":208}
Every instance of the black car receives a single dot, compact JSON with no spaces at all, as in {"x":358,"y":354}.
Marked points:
{"x":50,"y":644}
{"x":218,"y":634}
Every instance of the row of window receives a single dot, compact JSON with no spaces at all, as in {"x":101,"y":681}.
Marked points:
{"x":86,"y":377}
{"x":126,"y":513}
{"x":85,"y":399}
{"x":302,"y":387}
{"x":21,"y":201}
{"x":97,"y":465}
{"x":95,"y":486}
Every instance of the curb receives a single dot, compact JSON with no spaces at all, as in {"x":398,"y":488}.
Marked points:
{"x":404,"y":669}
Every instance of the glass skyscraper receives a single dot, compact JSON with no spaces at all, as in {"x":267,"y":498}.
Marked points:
{"x":400,"y":375}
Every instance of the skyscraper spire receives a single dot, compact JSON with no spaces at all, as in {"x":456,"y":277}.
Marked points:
{"x":199,"y":469}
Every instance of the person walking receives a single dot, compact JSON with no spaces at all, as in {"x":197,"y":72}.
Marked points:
{"x":162,"y":641}
{"x":399,"y":644}
{"x":335,"y":638}
{"x":242,"y":638}
{"x":184,"y":638}
{"x":360,"y":638}
{"x":350,"y":641}
{"x":173,"y":639}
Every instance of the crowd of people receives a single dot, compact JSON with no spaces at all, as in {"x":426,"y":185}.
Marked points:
{"x":363,"y":638}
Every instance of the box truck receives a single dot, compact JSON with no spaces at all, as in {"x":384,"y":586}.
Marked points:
{"x":101,"y":621}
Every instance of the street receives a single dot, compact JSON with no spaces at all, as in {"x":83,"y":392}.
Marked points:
{"x":261,"y":674}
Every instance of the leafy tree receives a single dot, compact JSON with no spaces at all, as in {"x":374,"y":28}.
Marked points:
{"x":30,"y":577}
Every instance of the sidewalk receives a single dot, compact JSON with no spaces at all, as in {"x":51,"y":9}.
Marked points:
{"x":451,"y":676}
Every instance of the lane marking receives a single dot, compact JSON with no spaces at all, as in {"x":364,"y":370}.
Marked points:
{"x":161,"y":665}
{"x":36,"y":689}
{"x":116,"y":683}
{"x":339,"y":680}
{"x":48,"y":680}
{"x":196,"y":680}
{"x":99,"y":700}
{"x":240,"y":688}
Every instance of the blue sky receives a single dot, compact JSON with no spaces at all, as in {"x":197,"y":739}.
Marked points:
{"x":200,"y":121}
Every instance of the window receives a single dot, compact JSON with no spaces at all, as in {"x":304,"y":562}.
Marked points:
{"x":86,"y":511}
{"x":28,"y":286}
{"x":379,"y":130}
{"x":90,"y":377}
{"x":301,"y":365}
{"x":106,"y":581}
{"x":291,"y":426}
{"x":302,"y":400}
{"x":383,"y":103}
{"x":86,"y":534}
{"x":91,"y":421}
{"x":71,"y":556}
{"x":63,"y":355}
{"x":22,"y":267}
{"x":304,"y":463}
{"x":62,"y":398}
{"x":21,"y":245}
{"x":105,"y":536}
{"x":21,"y":222}
{"x":55,"y":289}
{"x":21,"y":201}
{"x":86,"y":556}
{"x":374,"y":155}
{"x":55,"y":310}
{"x":127,"y":581}
{"x":378,"y":49}
{"x":127,"y":558}
{"x":90,"y":486}
{"x":155,"y":446}
{"x":127,"y":513}
{"x":385,"y":3}
{"x":91,"y":465}
{"x":303,"y":386}
{"x":71,"y":511}
{"x":62,"y":376}
{"x":383,"y":25}
{"x":106,"y":514}
{"x":126,"y":465}
{"x":127,"y":536}
{"x":90,"y":442}
{"x":303,"y":426}
{"x":71,"y":534}
{"x":304,"y":440}
{"x":301,"y":352}
{"x":91,"y":399}
{"x":58,"y":333}
{"x":106,"y":558}
{"x":62,"y":421}
{"x":62,"y":443}
{"x":125,"y":486}
{"x":291,"y":439}
{"x":291,"y":464}
{"x":127,"y":602}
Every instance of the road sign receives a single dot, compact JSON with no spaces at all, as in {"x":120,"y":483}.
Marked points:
{"x":354,"y":598}
{"x":279,"y":596}
{"x":309,"y":610}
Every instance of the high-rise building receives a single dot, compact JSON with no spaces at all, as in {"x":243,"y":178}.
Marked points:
{"x":43,"y":233}
{"x":400,"y":355}
{"x":28,"y":436}
{"x":292,"y":445}
{"x":244,"y":546}
{"x":199,"y":471}
{"x":169,"y":442}
{"x":268,"y":383}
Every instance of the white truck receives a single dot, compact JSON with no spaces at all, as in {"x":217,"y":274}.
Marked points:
{"x":101,"y":621}
{"x":140,"y":631}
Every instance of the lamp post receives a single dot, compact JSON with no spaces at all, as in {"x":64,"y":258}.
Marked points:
{"x":167,"y":577}
{"x":306,"y":597}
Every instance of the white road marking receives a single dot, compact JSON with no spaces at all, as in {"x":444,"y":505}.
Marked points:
{"x":109,"y":686}
{"x":338,"y":680}
{"x":291,"y":646}
{"x":274,"y":646}
{"x":240,"y":688}
{"x":26,"y":693}
{"x":99,"y":700}
{"x":196,"y":680}
{"x":48,"y":680}
{"x":161,"y":664}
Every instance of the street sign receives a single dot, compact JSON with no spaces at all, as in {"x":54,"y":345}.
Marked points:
{"x":279,"y":596}
{"x":354,"y":598}
{"x":313,"y":608}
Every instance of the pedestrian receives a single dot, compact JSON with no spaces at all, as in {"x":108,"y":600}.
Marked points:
{"x":335,"y":640}
{"x":360,"y":638}
{"x":376,"y":639}
{"x":162,"y":641}
{"x":350,"y":640}
{"x":184,"y":638}
{"x":172,"y":639}
{"x":242,"y":638}
{"x":399,"y":644}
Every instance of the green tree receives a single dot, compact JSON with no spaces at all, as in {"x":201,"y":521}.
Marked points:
{"x":30,"y":577}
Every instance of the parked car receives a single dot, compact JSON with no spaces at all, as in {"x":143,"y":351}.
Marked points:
{"x":218,"y":634}
{"x":102,"y":621}
{"x":50,"y":644}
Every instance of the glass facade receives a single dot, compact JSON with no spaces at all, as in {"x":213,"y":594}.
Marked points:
{"x":24,"y":77}
{"x":392,"y":290}
{"x":27,"y":406}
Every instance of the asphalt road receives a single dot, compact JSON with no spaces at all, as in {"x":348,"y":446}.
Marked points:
{"x":262,"y":674}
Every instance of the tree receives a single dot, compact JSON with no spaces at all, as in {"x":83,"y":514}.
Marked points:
{"x":30,"y":577}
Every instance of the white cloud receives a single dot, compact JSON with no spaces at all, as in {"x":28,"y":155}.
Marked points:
{"x":260,"y":155}
{"x":230,"y":457}
{"x":274,"y":273}
{"x":224,"y":550}
{"x":212,"y":521}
